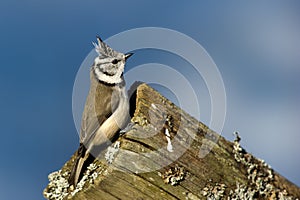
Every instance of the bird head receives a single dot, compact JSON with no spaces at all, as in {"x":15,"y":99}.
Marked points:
{"x":109,"y":64}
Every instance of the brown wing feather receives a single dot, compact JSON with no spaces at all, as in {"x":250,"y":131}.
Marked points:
{"x":99,"y":107}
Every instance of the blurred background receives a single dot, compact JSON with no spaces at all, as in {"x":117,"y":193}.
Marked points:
{"x":256,"y":46}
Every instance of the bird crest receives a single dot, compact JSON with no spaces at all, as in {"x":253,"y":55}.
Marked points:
{"x":104,"y":50}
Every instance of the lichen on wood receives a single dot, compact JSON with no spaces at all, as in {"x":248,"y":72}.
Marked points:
{"x":200,"y":165}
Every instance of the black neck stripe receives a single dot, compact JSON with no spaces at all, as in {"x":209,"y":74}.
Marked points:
{"x":122,"y":83}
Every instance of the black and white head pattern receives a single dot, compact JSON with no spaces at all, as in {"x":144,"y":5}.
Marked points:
{"x":109,"y":65}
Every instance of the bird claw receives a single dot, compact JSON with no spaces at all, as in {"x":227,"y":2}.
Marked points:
{"x":127,"y":128}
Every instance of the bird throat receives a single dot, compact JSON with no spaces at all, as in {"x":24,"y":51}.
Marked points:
{"x":108,"y":78}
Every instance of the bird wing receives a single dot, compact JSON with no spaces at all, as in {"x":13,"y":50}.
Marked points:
{"x":98,"y":108}
{"x":89,"y":120}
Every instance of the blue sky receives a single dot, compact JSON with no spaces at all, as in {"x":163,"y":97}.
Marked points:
{"x":43,"y":43}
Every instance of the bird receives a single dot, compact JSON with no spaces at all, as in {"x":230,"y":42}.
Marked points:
{"x":106,"y":109}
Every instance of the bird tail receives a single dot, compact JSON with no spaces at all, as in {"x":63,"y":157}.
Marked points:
{"x":79,"y":165}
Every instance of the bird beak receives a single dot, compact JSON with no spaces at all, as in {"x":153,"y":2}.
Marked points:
{"x":128,"y":55}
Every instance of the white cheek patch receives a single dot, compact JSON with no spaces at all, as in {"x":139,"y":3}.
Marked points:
{"x":108,"y":72}
{"x":97,"y":60}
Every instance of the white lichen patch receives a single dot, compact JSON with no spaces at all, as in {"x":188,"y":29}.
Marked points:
{"x":89,"y":176}
{"x":242,"y":192}
{"x":58,"y":185}
{"x":173,"y":175}
{"x":59,"y":188}
{"x":111,"y":152}
{"x":283,"y":195}
{"x":169,"y":145}
{"x":215,"y":192}
{"x":259,"y":173}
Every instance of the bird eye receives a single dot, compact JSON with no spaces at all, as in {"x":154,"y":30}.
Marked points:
{"x":115,"y":61}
